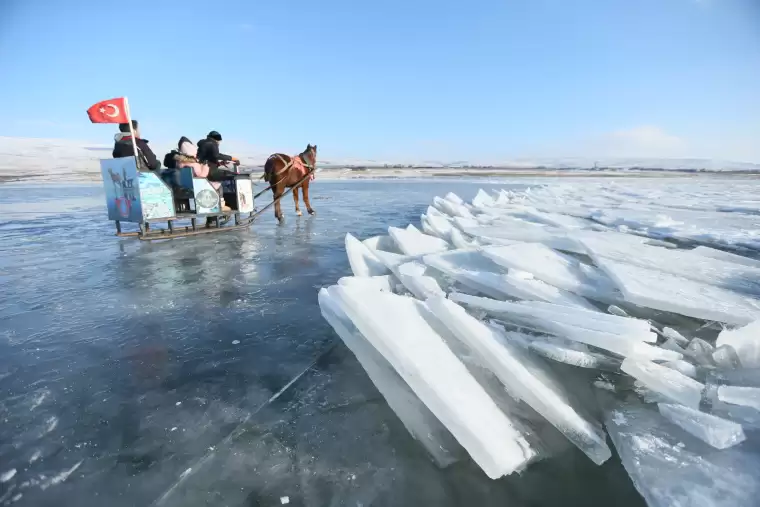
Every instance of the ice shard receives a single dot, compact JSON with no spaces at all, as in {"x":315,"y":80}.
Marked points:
{"x":573,"y":353}
{"x":726,"y":256}
{"x":362,"y":260}
{"x":382,"y":242}
{"x":670,"y":383}
{"x":701,"y":352}
{"x":745,"y":341}
{"x":416,"y":417}
{"x":725,"y":357}
{"x":626,"y":345}
{"x":395,"y":326}
{"x":716,"y":431}
{"x":556,"y":269}
{"x":738,"y":395}
{"x":385,"y":283}
{"x":668,"y":473}
{"x":524,"y":376}
{"x":413,"y":242}
{"x":671,"y":293}
{"x":682,"y":263}
{"x":682,"y":366}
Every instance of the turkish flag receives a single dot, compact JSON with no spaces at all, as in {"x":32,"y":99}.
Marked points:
{"x":109,"y":111}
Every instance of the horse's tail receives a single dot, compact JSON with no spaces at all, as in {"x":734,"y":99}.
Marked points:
{"x":268,"y":168}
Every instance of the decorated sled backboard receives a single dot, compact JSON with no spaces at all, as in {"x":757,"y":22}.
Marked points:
{"x":132,"y":195}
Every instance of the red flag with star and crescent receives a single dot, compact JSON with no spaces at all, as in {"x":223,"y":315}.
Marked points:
{"x":109,"y":111}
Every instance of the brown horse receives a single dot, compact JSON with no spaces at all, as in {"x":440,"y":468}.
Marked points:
{"x":282,"y":171}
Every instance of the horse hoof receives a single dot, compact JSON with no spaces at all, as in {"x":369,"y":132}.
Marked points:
{"x":312,"y":212}
{"x":298,"y":213}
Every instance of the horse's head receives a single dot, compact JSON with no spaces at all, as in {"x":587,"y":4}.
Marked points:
{"x":310,"y":155}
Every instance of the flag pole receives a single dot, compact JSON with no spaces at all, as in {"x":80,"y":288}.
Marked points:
{"x":132,"y":133}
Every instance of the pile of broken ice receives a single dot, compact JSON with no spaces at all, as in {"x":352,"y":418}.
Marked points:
{"x":464,"y":327}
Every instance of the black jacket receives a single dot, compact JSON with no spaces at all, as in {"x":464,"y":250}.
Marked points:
{"x":122,"y":147}
{"x":208,"y":152}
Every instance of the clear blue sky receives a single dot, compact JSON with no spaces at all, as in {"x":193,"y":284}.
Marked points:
{"x":424,"y":78}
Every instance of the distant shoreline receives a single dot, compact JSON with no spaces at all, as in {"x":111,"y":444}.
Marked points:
{"x":414,"y":173}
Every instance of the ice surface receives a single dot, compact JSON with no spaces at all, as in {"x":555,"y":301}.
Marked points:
{"x":417,"y":418}
{"x":556,"y":269}
{"x":668,"y":382}
{"x":362,"y":260}
{"x":527,"y":378}
{"x":745,"y":341}
{"x":395,"y":326}
{"x":625,"y":345}
{"x":716,"y":431}
{"x":671,"y":293}
{"x":413,"y":242}
{"x":670,"y":468}
{"x":737,"y":395}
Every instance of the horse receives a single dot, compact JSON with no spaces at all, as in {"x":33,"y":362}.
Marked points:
{"x":282,"y":171}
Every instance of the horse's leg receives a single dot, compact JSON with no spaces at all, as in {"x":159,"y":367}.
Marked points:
{"x":295,"y":198}
{"x":306,"y":198}
{"x":277,"y":193}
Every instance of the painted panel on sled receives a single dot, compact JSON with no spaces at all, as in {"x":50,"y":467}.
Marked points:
{"x":134,"y":196}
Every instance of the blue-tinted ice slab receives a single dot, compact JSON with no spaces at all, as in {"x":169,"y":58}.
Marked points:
{"x":712,"y":253}
{"x":396,"y":327}
{"x":416,"y":417}
{"x":626,"y":345}
{"x":386,"y":283}
{"x":414,"y":242}
{"x":556,"y":269}
{"x":740,"y":395}
{"x":745,"y":341}
{"x":572,"y":353}
{"x":382,"y":242}
{"x":362,"y":260}
{"x":524,"y":376}
{"x":671,"y":468}
{"x":683,"y":367}
{"x":682,"y":263}
{"x":716,"y":431}
{"x":665,"y":381}
{"x":663,"y":291}
{"x":482,"y":199}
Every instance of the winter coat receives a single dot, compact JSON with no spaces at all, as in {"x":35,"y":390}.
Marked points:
{"x":188,"y":157}
{"x":123,"y":148}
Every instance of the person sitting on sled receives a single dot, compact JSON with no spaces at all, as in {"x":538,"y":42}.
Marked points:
{"x":122,"y":147}
{"x":208,"y":153}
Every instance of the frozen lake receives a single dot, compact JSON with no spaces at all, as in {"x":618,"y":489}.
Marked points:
{"x":139,"y":373}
